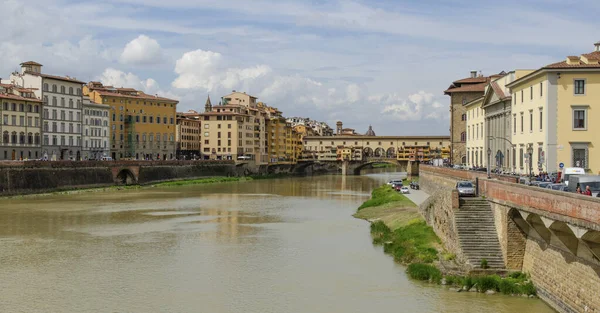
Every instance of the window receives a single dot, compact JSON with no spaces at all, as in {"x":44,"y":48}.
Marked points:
{"x":521,"y":95}
{"x":541,"y":118}
{"x":463,"y":137}
{"x":531,"y":93}
{"x":530,"y":121}
{"x":62,"y":89}
{"x":521,"y":122}
{"x":521,"y":157}
{"x":580,"y":155}
{"x":579,"y":86}
{"x":45,"y":88}
{"x":206,"y":134}
{"x":464,"y":117}
{"x":70,"y":90}
{"x":579,"y":121}
{"x":541,"y":89}
{"x":54,"y":88}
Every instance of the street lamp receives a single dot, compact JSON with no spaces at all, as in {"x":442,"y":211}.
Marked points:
{"x":489,"y":152}
{"x":530,"y":152}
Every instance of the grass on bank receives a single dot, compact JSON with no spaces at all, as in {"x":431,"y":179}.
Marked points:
{"x":515,"y":284}
{"x":219,"y":179}
{"x":385,"y":195}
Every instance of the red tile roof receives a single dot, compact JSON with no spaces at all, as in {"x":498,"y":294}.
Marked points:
{"x":468,"y":80}
{"x":580,"y":64}
{"x":467,"y":88}
{"x":15,"y":97}
{"x":498,"y":91}
{"x":140,"y":95}
{"x":31,"y":63}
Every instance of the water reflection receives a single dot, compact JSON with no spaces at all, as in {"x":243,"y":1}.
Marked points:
{"x":286,"y":245}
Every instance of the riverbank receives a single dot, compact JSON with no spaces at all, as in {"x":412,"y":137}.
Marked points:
{"x":173,"y":183}
{"x":397,"y":225}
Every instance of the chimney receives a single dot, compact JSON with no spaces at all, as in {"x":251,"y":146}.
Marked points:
{"x":597,"y":46}
{"x":473,"y":74}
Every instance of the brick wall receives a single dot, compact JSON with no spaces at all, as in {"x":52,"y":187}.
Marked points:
{"x":438,"y":210}
{"x":563,"y":281}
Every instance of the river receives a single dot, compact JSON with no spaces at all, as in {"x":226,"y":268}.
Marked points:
{"x":284,"y":245}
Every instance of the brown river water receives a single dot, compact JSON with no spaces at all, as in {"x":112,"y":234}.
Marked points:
{"x":282,"y":245}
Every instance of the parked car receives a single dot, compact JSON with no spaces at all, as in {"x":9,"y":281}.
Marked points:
{"x":544,"y":184}
{"x":465,"y":189}
{"x":404,"y":189}
{"x":397,"y":187}
{"x":558,"y":187}
{"x":106,"y":159}
{"x":414,"y":185}
{"x":395,"y":181}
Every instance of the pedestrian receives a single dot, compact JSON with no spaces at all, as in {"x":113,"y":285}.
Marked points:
{"x":578,"y":190}
{"x":588,"y":191}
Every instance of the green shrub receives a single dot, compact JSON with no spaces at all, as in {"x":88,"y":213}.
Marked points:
{"x":448,"y":256}
{"x":509,"y":286}
{"x":454,"y":280}
{"x":413,"y":243}
{"x":380,"y":232}
{"x":424,"y":272}
{"x":486,"y":283}
{"x":468,"y":282}
{"x":484,"y":263}
{"x":518,"y":275}
{"x":528,"y":289}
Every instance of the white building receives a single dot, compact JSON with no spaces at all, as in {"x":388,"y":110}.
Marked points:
{"x":62,"y":110}
{"x":96,"y":130}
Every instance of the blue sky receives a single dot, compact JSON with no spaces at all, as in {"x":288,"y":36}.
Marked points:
{"x":384,"y":63}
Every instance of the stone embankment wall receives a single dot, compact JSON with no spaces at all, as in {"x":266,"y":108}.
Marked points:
{"x":567,"y":282}
{"x":438,"y":209}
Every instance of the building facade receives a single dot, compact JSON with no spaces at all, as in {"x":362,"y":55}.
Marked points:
{"x":96,"y":130}
{"x":20,"y":126}
{"x":554,"y":112}
{"x":61,"y":110}
{"x":188,"y":135}
{"x":462,"y":92}
{"x":142,"y":126}
{"x":476,"y":135}
{"x":498,"y":120}
{"x":276,"y":134}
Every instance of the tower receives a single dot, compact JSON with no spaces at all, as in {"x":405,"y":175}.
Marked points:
{"x":338,"y":128}
{"x":208,"y":105}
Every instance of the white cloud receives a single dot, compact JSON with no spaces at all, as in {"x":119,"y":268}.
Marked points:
{"x":117,"y":78}
{"x":416,"y":106}
{"x":142,"y":50}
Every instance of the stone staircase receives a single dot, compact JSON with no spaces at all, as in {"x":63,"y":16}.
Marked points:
{"x":477,"y":233}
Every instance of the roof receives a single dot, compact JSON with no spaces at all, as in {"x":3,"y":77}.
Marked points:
{"x":499,"y":92}
{"x":31,"y":63}
{"x":15,"y":97}
{"x":401,"y":138}
{"x":468,"y":80}
{"x":578,"y":63}
{"x":140,"y":95}
{"x":67,"y":79}
{"x":467,"y":88}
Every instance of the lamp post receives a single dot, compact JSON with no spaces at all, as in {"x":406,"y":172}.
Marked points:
{"x":489,"y":153}
{"x":530,"y":152}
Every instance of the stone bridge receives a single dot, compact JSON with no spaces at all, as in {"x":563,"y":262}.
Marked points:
{"x":553,"y":236}
{"x":353,"y":167}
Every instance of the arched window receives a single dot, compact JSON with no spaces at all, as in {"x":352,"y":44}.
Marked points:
{"x":463,"y":136}
{"x":79,"y":91}
{"x":137,"y":138}
{"x":54,"y":88}
{"x":45,"y":87}
{"x":45,"y":100}
{"x":144,"y":137}
{"x":70,"y":90}
{"x":22,"y":137}
{"x":62,"y":89}
{"x":5,"y":137}
{"x":165,"y":136}
{"x":30,"y":138}
{"x":151,"y":137}
{"x":71,"y":102}
{"x":37,"y":138}
{"x":464,"y":117}
{"x":54,"y":101}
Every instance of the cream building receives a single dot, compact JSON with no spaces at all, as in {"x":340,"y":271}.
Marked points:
{"x":62,"y":110}
{"x":553,"y":114}
{"x":497,"y":108}
{"x":476,"y":135}
{"x":20,"y":124}
{"x":96,"y":130}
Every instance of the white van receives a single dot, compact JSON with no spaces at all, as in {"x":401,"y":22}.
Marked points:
{"x":571,"y":171}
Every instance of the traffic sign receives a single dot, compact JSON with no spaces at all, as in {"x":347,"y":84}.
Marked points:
{"x":561,"y":165}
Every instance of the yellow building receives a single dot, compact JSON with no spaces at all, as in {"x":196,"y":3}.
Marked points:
{"x":20,"y":125}
{"x":476,"y":155}
{"x":277,"y":140}
{"x":553,"y":113}
{"x":142,"y":126}
{"x":188,"y":135}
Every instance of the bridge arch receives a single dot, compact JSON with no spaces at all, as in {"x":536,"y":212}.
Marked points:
{"x":370,"y":163}
{"x":390,"y":153}
{"x":368,"y":152}
{"x":379,"y":152}
{"x":126,"y":177}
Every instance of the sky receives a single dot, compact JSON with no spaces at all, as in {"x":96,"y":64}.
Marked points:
{"x":365,"y":62}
